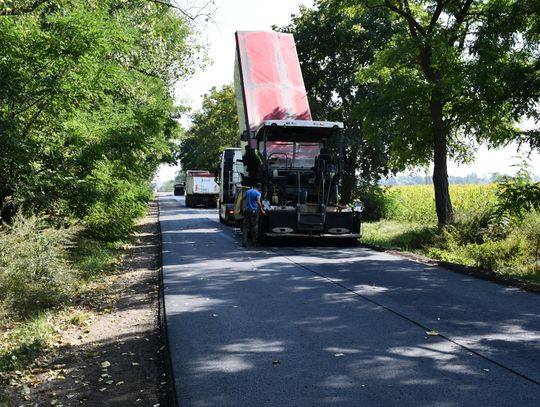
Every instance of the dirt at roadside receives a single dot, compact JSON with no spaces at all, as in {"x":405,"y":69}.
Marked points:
{"x":115,"y":356}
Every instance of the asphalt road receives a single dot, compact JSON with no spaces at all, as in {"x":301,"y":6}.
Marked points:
{"x":336,"y":326}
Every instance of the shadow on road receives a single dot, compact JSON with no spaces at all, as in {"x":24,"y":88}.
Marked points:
{"x":288,"y":325}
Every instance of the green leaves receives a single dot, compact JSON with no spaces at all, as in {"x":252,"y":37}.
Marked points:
{"x":518,"y":195}
{"x":213,"y":129}
{"x":86,"y":106}
{"x":505,"y":77}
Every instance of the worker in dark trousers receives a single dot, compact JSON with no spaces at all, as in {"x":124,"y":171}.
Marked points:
{"x":252,"y":200}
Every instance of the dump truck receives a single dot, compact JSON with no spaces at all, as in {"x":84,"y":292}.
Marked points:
{"x":297,"y":160}
{"x":201,"y":189}
{"x":230,"y":182}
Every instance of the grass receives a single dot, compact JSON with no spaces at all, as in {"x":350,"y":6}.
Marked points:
{"x":23,"y":342}
{"x":92,"y":258}
{"x":43,"y":271}
{"x":514,"y":256}
{"x":391,"y":234}
{"x":81,"y":318}
{"x":493,"y":230}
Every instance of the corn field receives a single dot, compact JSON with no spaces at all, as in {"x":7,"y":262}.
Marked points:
{"x":416,"y":203}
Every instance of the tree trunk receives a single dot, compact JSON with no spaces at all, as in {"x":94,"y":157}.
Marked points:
{"x":443,"y":205}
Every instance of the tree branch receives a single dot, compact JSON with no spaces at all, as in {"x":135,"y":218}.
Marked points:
{"x":32,"y":104}
{"x":192,"y":17}
{"x":32,"y":120}
{"x":142,"y":71}
{"x":414,"y":26}
{"x":463,"y":37}
{"x":460,"y":16}
{"x":436,"y":14}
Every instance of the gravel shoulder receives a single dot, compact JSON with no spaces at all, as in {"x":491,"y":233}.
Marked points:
{"x":114,"y":354}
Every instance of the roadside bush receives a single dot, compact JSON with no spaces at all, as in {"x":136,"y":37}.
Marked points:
{"x":34,"y":272}
{"x":518,"y":195}
{"x":375,"y":199}
{"x":497,"y":254}
{"x":529,"y":232}
{"x":120,"y":204}
{"x":471,"y":226}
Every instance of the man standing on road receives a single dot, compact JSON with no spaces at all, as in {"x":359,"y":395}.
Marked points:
{"x":253,"y":204}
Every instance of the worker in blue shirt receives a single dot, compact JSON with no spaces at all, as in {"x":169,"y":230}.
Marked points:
{"x":252,"y":199}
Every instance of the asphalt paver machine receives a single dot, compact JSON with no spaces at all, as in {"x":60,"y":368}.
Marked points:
{"x":283,"y":148}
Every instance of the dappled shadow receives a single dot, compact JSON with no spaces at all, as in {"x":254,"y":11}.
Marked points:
{"x":304,"y":326}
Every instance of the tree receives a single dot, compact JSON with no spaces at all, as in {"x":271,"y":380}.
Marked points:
{"x":433,"y":91}
{"x":506,"y":79}
{"x":213,"y":129}
{"x":334,"y":42}
{"x":86,"y":112}
{"x":417,"y":81}
{"x":421,"y":71}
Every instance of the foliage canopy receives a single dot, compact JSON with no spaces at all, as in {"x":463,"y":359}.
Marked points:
{"x":86,"y":108}
{"x":213,"y":129}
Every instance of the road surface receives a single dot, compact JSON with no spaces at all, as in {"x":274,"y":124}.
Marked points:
{"x":336,"y":326}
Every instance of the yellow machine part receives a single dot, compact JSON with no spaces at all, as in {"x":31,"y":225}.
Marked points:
{"x":237,"y":199}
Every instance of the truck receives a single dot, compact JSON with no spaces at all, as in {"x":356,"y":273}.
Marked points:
{"x":201,"y":189}
{"x":297,"y":160}
{"x":179,"y":188}
{"x":230,"y":181}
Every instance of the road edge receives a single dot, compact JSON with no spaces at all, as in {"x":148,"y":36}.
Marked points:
{"x":472,"y":271}
{"x":172,"y":399}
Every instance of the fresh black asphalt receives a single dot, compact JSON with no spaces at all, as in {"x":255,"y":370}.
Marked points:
{"x":295,"y":325}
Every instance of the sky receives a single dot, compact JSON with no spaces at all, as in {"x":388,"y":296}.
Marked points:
{"x":234,"y":15}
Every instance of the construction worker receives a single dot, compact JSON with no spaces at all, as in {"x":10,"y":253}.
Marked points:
{"x":252,"y":200}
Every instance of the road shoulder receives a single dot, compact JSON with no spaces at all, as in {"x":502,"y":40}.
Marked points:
{"x":114,"y":355}
{"x":460,"y":268}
